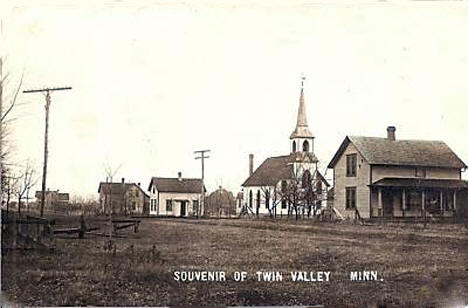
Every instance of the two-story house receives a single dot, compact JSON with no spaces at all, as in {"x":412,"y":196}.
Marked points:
{"x":387,"y":177}
{"x":124,"y":198}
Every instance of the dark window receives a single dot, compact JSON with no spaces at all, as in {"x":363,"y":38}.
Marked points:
{"x":413,"y":200}
{"x":195,"y":206}
{"x":350,"y":197}
{"x":283,"y":186}
{"x":420,"y":172}
{"x":306,"y":179}
{"x":267,"y":199}
{"x":169,"y":205}
{"x":319,"y":186}
{"x":133,"y":205}
{"x":351,"y":164}
{"x":250,"y":198}
{"x":294,"y":146}
{"x":283,"y":204}
{"x":305,"y":146}
{"x":258,"y":198}
{"x":137,"y":193}
{"x":154,"y":190}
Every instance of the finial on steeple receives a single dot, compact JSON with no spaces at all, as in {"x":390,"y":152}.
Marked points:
{"x":302,"y":82}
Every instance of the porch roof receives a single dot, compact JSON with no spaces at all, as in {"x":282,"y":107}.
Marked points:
{"x":420,"y":183}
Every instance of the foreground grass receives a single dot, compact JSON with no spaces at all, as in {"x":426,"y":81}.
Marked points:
{"x":420,"y":267}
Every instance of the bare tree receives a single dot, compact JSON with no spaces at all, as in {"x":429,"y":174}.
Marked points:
{"x":7,"y":103}
{"x":25,"y":180}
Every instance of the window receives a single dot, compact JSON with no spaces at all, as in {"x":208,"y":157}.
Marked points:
{"x":195,"y":206}
{"x":294,"y":146}
{"x":283,"y":186}
{"x":350,"y":197}
{"x":283,"y":204}
{"x":168,"y":205}
{"x":413,"y":200}
{"x":319,"y":186}
{"x":306,"y":179}
{"x":305,"y":146}
{"x":258,"y":198}
{"x":154,"y":190}
{"x":420,"y":172}
{"x":351,"y":164}
{"x":250,"y":199}
{"x":133,"y":205}
{"x":151,"y":205}
{"x":267,"y":199}
{"x":137,"y":193}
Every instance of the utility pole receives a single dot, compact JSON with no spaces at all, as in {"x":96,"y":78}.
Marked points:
{"x":46,"y":136}
{"x":202,"y":157}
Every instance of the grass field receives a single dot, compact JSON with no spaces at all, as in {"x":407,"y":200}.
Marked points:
{"x":420,"y":267}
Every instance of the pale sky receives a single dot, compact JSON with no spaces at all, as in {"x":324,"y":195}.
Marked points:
{"x":154,"y":81}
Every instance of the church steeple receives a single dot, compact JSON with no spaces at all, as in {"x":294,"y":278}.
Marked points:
{"x":301,"y":137}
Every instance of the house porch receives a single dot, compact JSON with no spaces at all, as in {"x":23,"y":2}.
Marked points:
{"x":414,"y":197}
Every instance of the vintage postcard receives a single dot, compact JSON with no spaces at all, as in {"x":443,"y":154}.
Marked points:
{"x":234,"y":153}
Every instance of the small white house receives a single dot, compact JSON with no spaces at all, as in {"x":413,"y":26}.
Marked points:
{"x":180,"y":197}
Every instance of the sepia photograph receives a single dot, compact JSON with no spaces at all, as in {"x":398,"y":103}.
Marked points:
{"x":234,"y":153}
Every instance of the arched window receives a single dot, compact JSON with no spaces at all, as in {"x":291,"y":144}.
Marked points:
{"x":305,"y":146}
{"x":306,"y":179}
{"x":250,"y":198}
{"x":283,"y":186}
{"x":294,"y":146}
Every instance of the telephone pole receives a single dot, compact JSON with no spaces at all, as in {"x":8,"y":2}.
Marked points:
{"x":202,"y":157}
{"x":46,"y":136}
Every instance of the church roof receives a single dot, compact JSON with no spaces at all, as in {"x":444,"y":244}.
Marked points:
{"x":302,"y":129}
{"x":275,"y":169}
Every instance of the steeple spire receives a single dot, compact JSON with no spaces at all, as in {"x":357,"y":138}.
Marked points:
{"x":302,"y":129}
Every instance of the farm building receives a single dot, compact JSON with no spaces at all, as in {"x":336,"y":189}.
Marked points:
{"x":387,"y":177}
{"x":283,"y":181}
{"x":220,"y":203}
{"x":124,"y":198}
{"x":179,"y":196}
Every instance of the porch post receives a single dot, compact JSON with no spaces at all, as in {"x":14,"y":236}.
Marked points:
{"x":403,"y":201}
{"x":455,"y":201}
{"x":380,"y":202}
{"x":441,"y":204}
{"x":423,"y":202}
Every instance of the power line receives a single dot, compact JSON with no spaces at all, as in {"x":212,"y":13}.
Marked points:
{"x":46,"y":135}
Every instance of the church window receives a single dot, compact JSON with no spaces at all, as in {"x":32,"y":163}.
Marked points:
{"x":267,"y":199}
{"x":305,"y":146}
{"x":294,"y":146}
{"x":319,"y":186}
{"x":283,"y":204}
{"x":250,"y":198}
{"x":283,"y":186}
{"x":306,"y":179}
{"x":258,"y":198}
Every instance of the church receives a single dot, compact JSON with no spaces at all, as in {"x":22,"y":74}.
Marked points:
{"x":290,"y":183}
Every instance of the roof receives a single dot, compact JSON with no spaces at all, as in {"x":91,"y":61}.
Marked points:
{"x":302,"y":129}
{"x":421,"y":183}
{"x":275,"y":169}
{"x":383,"y":151}
{"x":117,"y":188}
{"x":182,"y":185}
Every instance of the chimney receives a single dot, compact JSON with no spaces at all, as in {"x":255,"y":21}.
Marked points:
{"x":179,"y":174}
{"x":123,"y":180}
{"x":251,"y":156}
{"x":391,"y":133}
